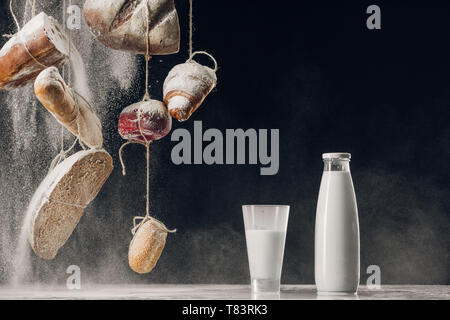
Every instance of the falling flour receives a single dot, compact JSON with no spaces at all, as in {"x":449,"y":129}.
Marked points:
{"x":33,"y":135}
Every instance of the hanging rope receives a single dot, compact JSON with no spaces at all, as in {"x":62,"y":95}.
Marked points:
{"x":64,"y":73}
{"x":63,"y":153}
{"x":75,"y":96}
{"x":146,"y":143}
{"x":191,"y":27}
{"x":69,"y":75}
{"x":20,"y":36}
{"x":147,"y":216}
{"x":160,"y":225}
{"x":147,"y":54}
{"x":206,"y":54}
{"x":33,"y":7}
{"x":191,"y":31}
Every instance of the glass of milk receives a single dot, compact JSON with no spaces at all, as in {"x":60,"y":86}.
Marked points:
{"x":265,"y":233}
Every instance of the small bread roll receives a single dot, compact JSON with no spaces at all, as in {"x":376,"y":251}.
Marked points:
{"x":185,"y":88}
{"x":60,"y":100}
{"x":58,"y":204}
{"x":122,"y":25}
{"x":146,"y":120}
{"x":43,"y":38}
{"x":147,"y":246}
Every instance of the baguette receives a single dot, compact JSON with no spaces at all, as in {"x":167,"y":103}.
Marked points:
{"x":42,"y":38}
{"x":122,"y":25}
{"x":58,"y":203}
{"x":62,"y":102}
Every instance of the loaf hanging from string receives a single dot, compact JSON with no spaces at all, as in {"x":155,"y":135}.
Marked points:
{"x":68,"y":107}
{"x":187,"y":85}
{"x":147,"y":245}
{"x":122,"y":25}
{"x":39,"y":44}
{"x":145,"y":121}
{"x":59,"y":202}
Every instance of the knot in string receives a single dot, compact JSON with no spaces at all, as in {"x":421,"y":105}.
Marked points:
{"x":146,"y":218}
{"x":147,"y":146}
{"x":20,"y":36}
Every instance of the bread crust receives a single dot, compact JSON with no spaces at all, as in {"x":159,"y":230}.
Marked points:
{"x":146,"y":247}
{"x":58,"y":203}
{"x":122,"y":25}
{"x":149,"y":119}
{"x":62,"y":102}
{"x":41,"y":38}
{"x":185,"y":88}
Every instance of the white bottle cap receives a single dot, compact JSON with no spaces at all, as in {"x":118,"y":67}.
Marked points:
{"x":337,"y":155}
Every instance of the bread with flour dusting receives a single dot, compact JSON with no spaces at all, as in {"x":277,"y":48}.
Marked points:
{"x":145,"y":121}
{"x":42,"y":38}
{"x":185,"y":88}
{"x":58,"y":204}
{"x":68,"y":107}
{"x":122,"y":25}
{"x":146,"y":247}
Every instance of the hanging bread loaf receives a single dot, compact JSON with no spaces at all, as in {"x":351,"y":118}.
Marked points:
{"x":147,"y":245}
{"x":122,"y":25}
{"x":145,"y":121}
{"x":59,"y":202}
{"x":41,"y":38}
{"x":185,"y":88}
{"x":66,"y":106}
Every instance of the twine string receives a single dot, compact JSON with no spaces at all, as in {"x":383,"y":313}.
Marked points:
{"x":13,"y":15}
{"x":147,"y":216}
{"x":63,"y":153}
{"x":32,"y":4}
{"x":64,"y":73}
{"x":76,"y":98}
{"x":146,"y":143}
{"x":191,"y":27}
{"x":159,"y":224}
{"x":206,"y":54}
{"x":191,"y":31}
{"x":19,"y":35}
{"x":147,"y":54}
{"x":69,"y":73}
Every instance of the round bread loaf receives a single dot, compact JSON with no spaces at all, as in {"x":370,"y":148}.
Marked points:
{"x":146,"y":247}
{"x":59,"y":202}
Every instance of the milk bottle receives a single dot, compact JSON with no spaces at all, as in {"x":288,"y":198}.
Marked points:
{"x":336,"y":251}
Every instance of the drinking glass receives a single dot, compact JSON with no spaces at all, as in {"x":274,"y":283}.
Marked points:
{"x":265,"y":233}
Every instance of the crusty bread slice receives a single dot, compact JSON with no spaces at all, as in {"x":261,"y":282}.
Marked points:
{"x":42,"y":38}
{"x":58,"y":203}
{"x":146,"y":246}
{"x":122,"y":25}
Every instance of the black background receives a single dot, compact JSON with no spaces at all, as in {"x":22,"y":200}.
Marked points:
{"x":313,"y":70}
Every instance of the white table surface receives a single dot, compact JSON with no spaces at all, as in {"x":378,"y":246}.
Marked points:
{"x":216,"y":292}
